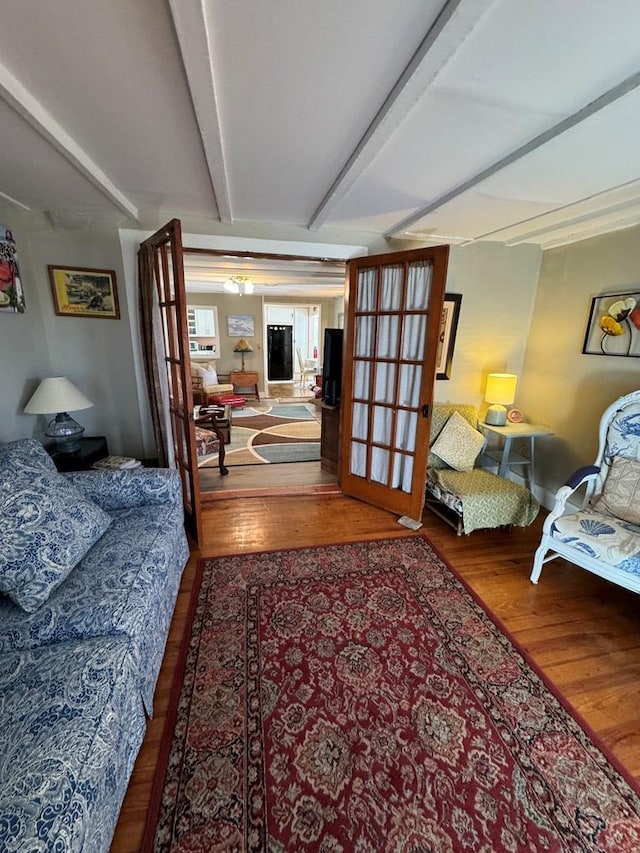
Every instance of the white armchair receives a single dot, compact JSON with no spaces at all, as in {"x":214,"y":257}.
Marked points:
{"x":603,"y":536}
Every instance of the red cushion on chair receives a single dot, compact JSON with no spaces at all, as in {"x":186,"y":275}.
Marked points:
{"x":233,"y":400}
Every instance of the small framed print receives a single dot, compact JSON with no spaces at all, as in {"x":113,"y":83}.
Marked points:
{"x":83,"y":292}
{"x":447,"y":338}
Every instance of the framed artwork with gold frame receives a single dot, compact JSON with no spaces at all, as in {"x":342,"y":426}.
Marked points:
{"x":84,"y":292}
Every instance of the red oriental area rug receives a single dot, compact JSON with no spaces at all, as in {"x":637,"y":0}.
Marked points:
{"x":358,"y":698}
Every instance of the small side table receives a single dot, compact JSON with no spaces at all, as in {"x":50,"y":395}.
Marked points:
{"x":506,"y":458}
{"x":91,"y":449}
{"x":221,"y":417}
{"x":245,"y":379}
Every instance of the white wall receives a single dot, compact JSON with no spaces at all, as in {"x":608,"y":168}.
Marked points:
{"x":498,"y":286}
{"x":95,"y":354}
{"x":562,"y":388}
{"x":103,"y":356}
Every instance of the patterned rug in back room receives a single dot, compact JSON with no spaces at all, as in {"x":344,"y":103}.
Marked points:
{"x":358,"y":698}
{"x":287,"y":432}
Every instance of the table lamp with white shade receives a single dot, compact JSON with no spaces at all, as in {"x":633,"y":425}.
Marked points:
{"x":58,"y":394}
{"x":500,"y":393}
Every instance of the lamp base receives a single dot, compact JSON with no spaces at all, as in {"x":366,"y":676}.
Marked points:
{"x":66,"y":432}
{"x":496,"y":415}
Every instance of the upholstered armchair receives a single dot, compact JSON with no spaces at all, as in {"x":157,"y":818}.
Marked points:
{"x":602,"y":534}
{"x":205,"y":384}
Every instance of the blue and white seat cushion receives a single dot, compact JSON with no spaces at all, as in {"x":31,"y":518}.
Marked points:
{"x":47,"y":524}
{"x":603,"y":537}
{"x":71,"y":729}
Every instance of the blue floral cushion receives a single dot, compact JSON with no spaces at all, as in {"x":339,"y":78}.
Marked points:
{"x":71,"y":725}
{"x":47,"y":524}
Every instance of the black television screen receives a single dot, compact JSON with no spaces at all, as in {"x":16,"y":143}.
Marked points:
{"x":332,"y":366}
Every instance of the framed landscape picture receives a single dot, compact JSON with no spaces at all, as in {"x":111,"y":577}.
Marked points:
{"x":447,"y":338}
{"x":82,"y":292}
{"x":240,"y":325}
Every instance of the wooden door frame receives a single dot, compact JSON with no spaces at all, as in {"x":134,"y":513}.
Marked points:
{"x":177,"y":365}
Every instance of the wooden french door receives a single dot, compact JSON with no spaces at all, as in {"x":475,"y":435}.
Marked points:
{"x":168,"y":278}
{"x":393,"y":312}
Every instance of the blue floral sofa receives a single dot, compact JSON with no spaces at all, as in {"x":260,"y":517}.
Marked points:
{"x":90,"y":566}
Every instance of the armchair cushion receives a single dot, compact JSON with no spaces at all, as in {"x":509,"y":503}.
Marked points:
{"x":601,"y":537}
{"x":621,"y":494}
{"x":207,"y":442}
{"x":459,"y":444}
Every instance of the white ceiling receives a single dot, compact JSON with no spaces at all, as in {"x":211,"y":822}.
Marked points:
{"x":512,"y":120}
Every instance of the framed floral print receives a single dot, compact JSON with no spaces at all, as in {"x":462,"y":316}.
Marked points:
{"x":613,"y":327}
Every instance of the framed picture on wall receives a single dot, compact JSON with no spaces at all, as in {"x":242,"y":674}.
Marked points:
{"x":11,"y":294}
{"x":240,"y":326}
{"x":613,"y":327}
{"x":82,"y":292}
{"x":447,"y":338}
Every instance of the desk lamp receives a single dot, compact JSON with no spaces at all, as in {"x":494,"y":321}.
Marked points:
{"x":57,"y":394}
{"x":243,"y":347}
{"x":500,"y":392}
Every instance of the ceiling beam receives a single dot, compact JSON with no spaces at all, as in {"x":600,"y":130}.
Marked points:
{"x":609,"y":97}
{"x":603,"y":205}
{"x":32,"y":111}
{"x":190,"y":21}
{"x":455,"y":21}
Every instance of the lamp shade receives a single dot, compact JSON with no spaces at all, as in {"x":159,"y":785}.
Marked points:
{"x":500,"y":392}
{"x":56,"y":394}
{"x":243,"y":345}
{"x":501,"y":388}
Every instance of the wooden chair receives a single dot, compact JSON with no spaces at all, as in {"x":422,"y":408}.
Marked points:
{"x":307,"y":368}
{"x":602,"y":534}
{"x":211,"y":435}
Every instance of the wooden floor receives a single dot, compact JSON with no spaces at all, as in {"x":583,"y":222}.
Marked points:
{"x":257,"y":480}
{"x":583,"y":632}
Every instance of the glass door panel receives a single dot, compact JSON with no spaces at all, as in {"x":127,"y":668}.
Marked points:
{"x":393,"y":311}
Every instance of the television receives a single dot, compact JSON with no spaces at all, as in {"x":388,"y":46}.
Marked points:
{"x":332,"y":366}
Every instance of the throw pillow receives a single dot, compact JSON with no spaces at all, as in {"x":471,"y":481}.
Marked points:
{"x":210,"y":376}
{"x":621,"y":493}
{"x":458,"y":444}
{"x":47,"y":524}
{"x":208,"y":373}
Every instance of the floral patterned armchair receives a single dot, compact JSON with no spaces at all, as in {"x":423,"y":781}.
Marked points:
{"x":603,"y":535}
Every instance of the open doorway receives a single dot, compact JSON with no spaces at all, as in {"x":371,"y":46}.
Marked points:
{"x":291,"y":346}
{"x":290,"y":303}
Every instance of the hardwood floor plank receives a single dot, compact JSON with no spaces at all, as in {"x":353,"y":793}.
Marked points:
{"x":582,"y":632}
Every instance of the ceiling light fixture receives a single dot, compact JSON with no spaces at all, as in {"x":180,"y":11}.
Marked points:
{"x":239,"y":284}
